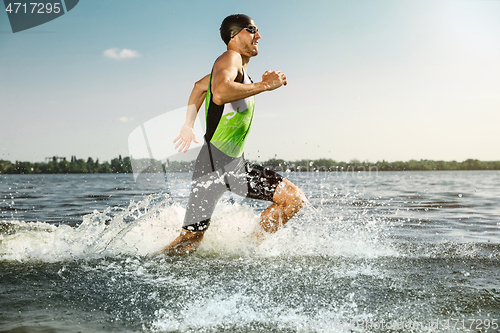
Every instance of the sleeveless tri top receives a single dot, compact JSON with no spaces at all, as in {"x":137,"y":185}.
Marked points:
{"x":229,"y":124}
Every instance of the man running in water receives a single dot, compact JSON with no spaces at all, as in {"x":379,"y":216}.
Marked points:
{"x":229,"y":101}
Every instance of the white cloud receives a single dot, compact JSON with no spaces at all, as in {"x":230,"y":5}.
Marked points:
{"x":126,"y":119}
{"x":116,"y":53}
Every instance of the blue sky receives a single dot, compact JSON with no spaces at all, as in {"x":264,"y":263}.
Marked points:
{"x":368,"y":80}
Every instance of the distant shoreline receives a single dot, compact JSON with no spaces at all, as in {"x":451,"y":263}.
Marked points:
{"x":125,"y":165}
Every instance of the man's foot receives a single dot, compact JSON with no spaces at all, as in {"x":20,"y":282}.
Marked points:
{"x":187,"y":242}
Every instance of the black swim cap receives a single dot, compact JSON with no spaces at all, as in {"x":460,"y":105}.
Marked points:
{"x":233,"y":24}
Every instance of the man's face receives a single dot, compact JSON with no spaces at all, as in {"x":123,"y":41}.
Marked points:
{"x":247,"y":41}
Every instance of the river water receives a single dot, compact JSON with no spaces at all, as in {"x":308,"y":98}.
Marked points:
{"x":370,"y":252}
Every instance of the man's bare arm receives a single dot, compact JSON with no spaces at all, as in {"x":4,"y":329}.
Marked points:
{"x":226,"y":90}
{"x":194,"y":103}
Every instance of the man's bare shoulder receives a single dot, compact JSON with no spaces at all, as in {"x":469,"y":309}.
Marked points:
{"x":229,"y":58}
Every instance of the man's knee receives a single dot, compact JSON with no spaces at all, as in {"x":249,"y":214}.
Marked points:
{"x":288,"y":194}
{"x":297,"y":197}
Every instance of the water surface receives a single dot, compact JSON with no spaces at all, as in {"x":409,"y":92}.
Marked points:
{"x":370,"y":252}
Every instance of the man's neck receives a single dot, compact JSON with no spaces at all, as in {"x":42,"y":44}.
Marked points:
{"x":245,"y":61}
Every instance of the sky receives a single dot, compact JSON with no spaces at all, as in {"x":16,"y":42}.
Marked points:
{"x":368,"y":80}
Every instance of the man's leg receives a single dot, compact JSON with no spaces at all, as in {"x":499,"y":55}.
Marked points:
{"x":199,"y":210}
{"x":186,"y":242}
{"x":205,"y":193}
{"x":288,"y":199}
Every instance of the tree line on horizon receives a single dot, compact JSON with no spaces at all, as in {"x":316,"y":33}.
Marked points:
{"x":356,"y":165}
{"x":124,"y":165}
{"x":61,"y":165}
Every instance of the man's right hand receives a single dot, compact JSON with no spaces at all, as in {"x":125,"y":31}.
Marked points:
{"x":185,"y":138}
{"x":274,"y":79}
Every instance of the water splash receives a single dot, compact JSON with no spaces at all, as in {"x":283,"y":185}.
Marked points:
{"x":146,"y":226}
{"x":139,"y":229}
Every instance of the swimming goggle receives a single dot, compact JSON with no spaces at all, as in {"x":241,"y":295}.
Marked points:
{"x":251,"y":29}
